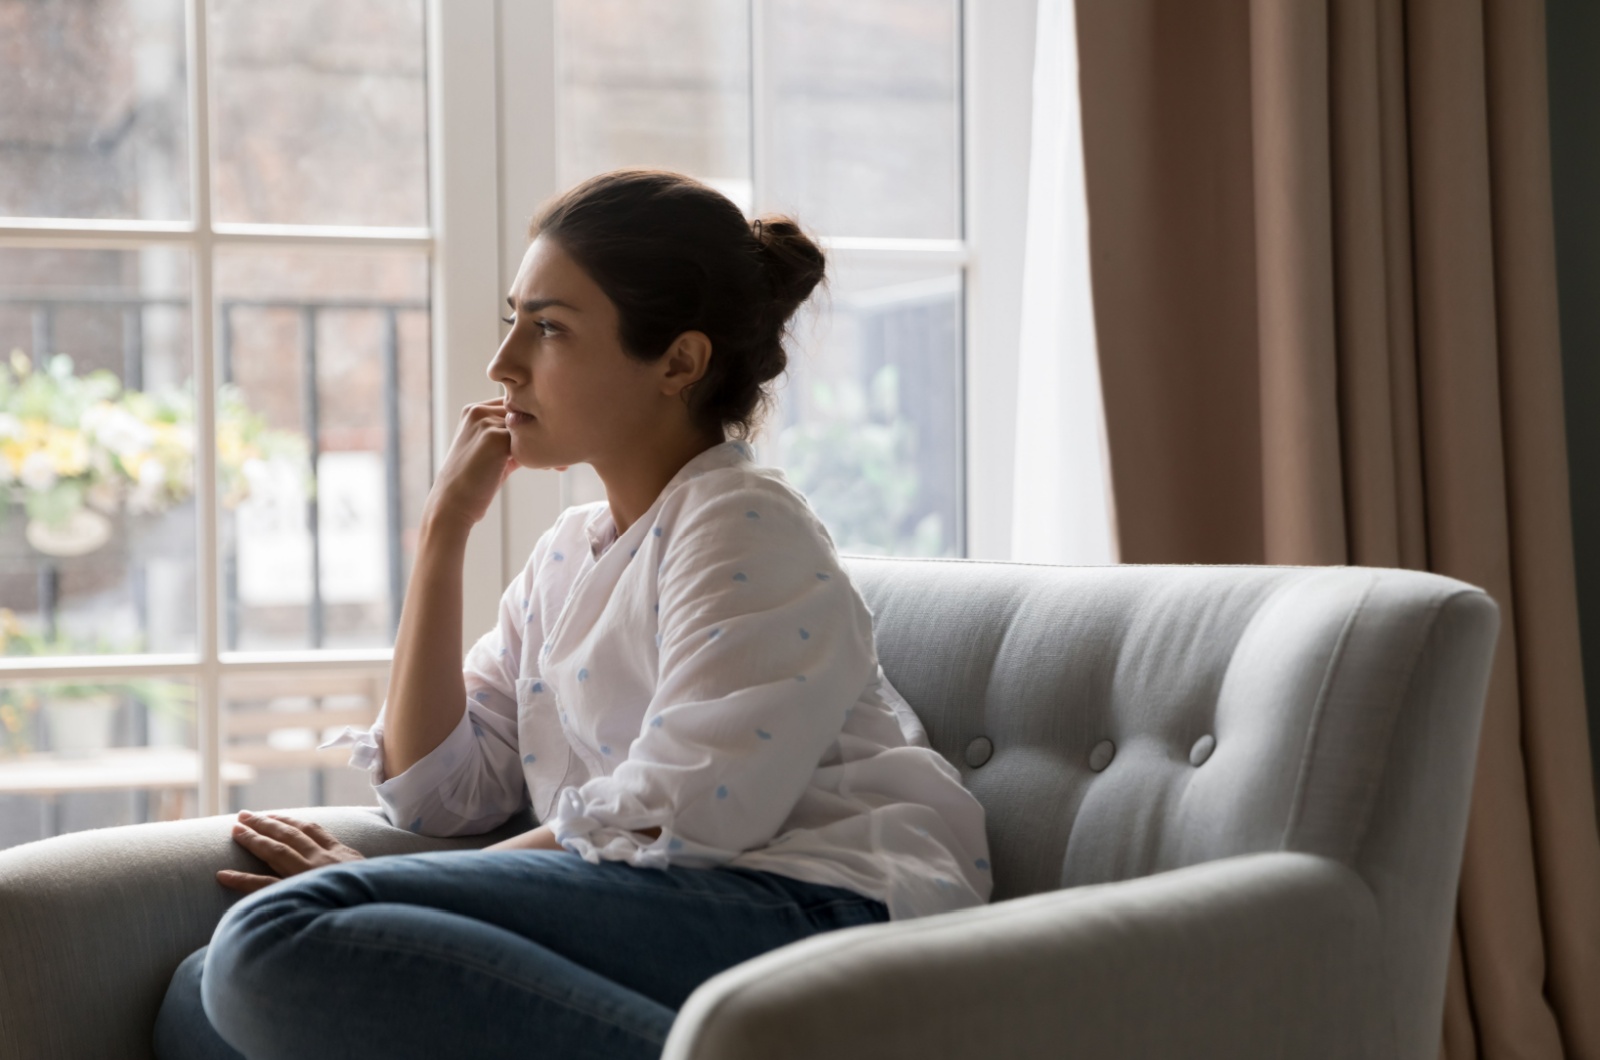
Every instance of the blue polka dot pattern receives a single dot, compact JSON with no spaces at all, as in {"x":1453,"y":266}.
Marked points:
{"x":656,"y":607}
{"x":583,"y":675}
{"x":764,"y":734}
{"x":675,"y":844}
{"x":655,"y":722}
{"x":415,"y":826}
{"x":722,"y":791}
{"x":558,"y":557}
{"x":800,"y":677}
{"x":538,"y":686}
{"x":529,"y":759}
{"x":633,"y":552}
{"x":503,"y":653}
{"x":741,"y":577}
{"x":804,"y":635}
{"x":656,"y":531}
{"x":714,"y":634}
{"x":752,"y":515}
{"x":481,"y":697}
{"x":605,"y":749}
{"x":821,"y":577}
{"x":982,"y":863}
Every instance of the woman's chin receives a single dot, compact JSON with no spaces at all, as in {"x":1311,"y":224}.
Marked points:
{"x":534,"y":461}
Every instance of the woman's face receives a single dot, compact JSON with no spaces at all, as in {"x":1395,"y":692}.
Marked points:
{"x":563,"y":365}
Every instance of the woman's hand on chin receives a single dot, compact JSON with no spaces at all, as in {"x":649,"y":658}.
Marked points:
{"x":287,"y":846}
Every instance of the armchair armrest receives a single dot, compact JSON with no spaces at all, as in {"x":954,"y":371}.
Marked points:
{"x":1265,"y":955}
{"x":93,"y":923}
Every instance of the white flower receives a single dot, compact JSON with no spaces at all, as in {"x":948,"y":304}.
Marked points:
{"x":37,"y":472}
{"x":117,"y":429}
{"x":146,"y":496}
{"x":10,"y":426}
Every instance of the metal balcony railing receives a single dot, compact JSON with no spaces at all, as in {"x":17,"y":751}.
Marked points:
{"x":44,"y":309}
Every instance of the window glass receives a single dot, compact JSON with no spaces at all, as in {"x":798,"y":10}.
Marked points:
{"x":95,"y":121}
{"x":78,"y":754}
{"x":97,"y":434}
{"x":319,"y":112}
{"x":328,"y":350}
{"x":272,"y":726}
{"x":656,"y":84}
{"x":868,"y":419}
{"x":865,"y":115}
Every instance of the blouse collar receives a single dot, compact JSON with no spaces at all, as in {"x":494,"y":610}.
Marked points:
{"x":601,"y":528}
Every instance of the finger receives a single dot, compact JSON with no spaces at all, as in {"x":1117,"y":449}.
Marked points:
{"x":274,"y":828}
{"x":323,"y":837}
{"x":282,"y":858}
{"x":491,"y":406}
{"x":244,"y":881}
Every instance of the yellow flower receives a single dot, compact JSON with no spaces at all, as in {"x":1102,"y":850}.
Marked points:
{"x":68,"y":451}
{"x":15,"y":451}
{"x":20,"y":363}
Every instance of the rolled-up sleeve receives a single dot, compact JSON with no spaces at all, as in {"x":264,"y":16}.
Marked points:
{"x":764,"y":647}
{"x":473,"y":780}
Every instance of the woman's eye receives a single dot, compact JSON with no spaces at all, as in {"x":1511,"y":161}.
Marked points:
{"x":548,"y":328}
{"x":508,"y":320}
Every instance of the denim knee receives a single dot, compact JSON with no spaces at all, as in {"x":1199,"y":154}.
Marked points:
{"x":243,"y":961}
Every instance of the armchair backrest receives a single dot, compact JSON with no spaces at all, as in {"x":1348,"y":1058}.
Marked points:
{"x":1121,"y":721}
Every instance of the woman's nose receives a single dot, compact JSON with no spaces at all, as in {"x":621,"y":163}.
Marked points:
{"x":501,"y":368}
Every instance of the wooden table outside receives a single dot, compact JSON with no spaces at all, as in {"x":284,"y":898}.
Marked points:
{"x":171,"y":773}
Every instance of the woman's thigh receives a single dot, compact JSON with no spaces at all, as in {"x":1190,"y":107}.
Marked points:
{"x":660,"y":933}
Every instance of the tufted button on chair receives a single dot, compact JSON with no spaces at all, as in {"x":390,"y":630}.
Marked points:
{"x":1225,"y":805}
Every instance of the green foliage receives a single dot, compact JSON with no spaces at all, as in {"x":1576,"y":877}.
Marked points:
{"x":855,"y":457}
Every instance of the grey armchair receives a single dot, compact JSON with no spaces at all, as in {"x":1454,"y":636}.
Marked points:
{"x":1226,"y":807}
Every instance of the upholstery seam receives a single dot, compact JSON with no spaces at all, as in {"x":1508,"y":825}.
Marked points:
{"x":1297,"y":805}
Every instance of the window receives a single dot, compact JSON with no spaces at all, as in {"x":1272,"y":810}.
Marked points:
{"x":272,"y":240}
{"x":216,"y":397}
{"x":846,"y":114}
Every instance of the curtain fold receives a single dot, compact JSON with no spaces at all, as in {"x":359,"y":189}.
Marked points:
{"x":1322,"y":251}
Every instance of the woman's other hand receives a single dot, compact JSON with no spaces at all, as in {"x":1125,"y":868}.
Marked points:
{"x":288,"y":846}
{"x":478,"y":463}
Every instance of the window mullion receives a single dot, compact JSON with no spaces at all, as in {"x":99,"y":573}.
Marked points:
{"x":760,"y":109}
{"x":207,"y":612}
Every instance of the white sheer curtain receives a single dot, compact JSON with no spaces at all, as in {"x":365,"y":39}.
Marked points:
{"x":1062,"y":511}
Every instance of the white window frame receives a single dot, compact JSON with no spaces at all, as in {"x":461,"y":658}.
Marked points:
{"x":461,"y":139}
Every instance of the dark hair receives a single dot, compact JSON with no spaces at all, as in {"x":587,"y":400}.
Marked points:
{"x":675,"y":255}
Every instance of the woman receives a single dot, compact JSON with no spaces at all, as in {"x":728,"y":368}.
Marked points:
{"x":682,"y":681}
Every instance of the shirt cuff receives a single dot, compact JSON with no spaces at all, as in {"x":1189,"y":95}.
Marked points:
{"x":426,"y":775}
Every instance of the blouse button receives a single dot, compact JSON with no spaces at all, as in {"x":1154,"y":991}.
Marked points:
{"x":978,"y":751}
{"x":1102,"y":754}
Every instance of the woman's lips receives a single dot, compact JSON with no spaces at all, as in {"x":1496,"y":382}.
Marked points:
{"x":515,"y":417}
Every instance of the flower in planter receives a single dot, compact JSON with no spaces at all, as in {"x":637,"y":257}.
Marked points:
{"x":75,"y":449}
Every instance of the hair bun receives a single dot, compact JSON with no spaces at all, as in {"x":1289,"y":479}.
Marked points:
{"x":791,"y":261}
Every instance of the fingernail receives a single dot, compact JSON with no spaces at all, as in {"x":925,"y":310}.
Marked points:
{"x":246,"y":814}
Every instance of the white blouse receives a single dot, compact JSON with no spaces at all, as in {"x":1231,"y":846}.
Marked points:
{"x":710,"y":672}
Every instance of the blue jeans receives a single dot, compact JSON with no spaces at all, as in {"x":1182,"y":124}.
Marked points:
{"x":480,"y":953}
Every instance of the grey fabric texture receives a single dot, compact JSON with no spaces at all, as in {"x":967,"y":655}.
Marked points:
{"x":1294,"y":886}
{"x":1265,"y":955}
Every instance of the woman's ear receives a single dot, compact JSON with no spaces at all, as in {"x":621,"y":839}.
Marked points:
{"x":685,"y":362}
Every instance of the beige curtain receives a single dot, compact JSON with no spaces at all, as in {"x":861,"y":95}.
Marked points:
{"x":1324,"y":285}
